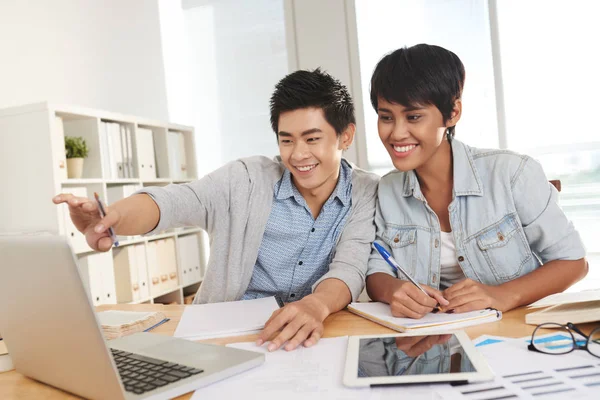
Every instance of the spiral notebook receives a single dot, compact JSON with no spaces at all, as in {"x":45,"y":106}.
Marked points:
{"x":381,"y":314}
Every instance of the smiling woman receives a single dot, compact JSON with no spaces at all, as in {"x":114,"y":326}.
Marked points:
{"x":477,"y":216}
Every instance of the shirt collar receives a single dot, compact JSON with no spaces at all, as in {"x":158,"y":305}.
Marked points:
{"x":342,"y":189}
{"x":466,"y":177}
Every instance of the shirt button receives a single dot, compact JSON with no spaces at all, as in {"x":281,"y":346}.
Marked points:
{"x":292,"y":295}
{"x":461,"y":259}
{"x":396,"y":239}
{"x":500,"y":236}
{"x":434,"y":278}
{"x":312,"y":230}
{"x":437,"y":243}
{"x":300,"y":263}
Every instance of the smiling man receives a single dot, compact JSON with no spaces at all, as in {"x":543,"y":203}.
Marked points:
{"x":299,"y":226}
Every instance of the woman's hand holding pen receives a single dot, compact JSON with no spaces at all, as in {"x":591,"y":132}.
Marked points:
{"x":86,"y":218}
{"x":406,"y":300}
{"x":468,"y":295}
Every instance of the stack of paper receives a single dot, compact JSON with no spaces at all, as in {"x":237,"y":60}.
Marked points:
{"x":232,"y":318}
{"x":122,"y":323}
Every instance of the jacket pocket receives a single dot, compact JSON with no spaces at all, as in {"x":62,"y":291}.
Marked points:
{"x":403,"y":242}
{"x":505,"y":248}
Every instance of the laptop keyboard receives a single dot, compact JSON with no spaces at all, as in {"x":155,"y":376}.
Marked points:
{"x":142,"y":374}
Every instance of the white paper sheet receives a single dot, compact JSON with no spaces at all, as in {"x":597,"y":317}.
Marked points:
{"x":205,"y":321}
{"x":529,"y":375}
{"x":313,"y":373}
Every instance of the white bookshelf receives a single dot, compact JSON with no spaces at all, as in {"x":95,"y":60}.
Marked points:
{"x":33,"y":170}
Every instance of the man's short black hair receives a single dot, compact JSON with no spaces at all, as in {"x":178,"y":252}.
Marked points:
{"x":313,"y":89}
{"x":420,"y":75}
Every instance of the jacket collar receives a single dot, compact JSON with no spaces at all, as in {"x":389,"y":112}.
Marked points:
{"x":466,"y":178}
{"x":287,"y":188}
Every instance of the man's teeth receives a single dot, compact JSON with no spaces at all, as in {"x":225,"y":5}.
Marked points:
{"x":404,"y":149}
{"x":306,"y":168}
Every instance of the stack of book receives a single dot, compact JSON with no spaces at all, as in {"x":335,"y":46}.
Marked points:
{"x":122,"y":323}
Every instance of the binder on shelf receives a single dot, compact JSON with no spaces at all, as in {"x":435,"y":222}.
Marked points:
{"x":117,"y":171}
{"x":130,"y":152}
{"x":105,"y":143}
{"x":173,"y":153}
{"x":142,"y":266}
{"x":119,"y":192}
{"x":146,"y":164}
{"x":105,"y":262}
{"x":76,"y":238}
{"x":124,"y":150}
{"x":126,"y":274}
{"x":92,"y":279}
{"x":154,"y":281}
{"x":189,"y":257}
{"x":182,"y":159}
{"x":58,"y":148}
{"x":171,"y":263}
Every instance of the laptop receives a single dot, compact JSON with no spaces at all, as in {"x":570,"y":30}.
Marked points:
{"x":53,"y":335}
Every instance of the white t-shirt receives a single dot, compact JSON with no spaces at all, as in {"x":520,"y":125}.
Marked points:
{"x":451,"y":272}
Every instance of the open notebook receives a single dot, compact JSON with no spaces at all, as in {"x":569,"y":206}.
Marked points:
{"x":381,"y":314}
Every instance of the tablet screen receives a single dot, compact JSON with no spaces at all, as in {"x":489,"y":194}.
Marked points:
{"x":412,"y":355}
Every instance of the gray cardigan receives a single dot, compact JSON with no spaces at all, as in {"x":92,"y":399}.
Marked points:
{"x":233,"y":205}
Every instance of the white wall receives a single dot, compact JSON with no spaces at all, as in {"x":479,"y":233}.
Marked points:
{"x":102,"y":54}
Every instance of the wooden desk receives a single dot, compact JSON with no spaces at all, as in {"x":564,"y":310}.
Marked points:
{"x":15,"y":386}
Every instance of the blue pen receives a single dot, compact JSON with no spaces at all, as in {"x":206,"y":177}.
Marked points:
{"x":390,"y":260}
{"x":111,"y":231}
{"x":157,"y":324}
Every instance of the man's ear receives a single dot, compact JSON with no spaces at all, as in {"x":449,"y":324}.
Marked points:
{"x":455,"y":114}
{"x":347,"y":137}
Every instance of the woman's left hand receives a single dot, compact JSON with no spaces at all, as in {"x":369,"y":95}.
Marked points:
{"x":469,"y":295}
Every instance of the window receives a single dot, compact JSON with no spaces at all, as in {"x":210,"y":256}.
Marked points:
{"x":238,"y":54}
{"x":548,"y":64}
{"x":551,"y":85}
{"x":459,"y":25}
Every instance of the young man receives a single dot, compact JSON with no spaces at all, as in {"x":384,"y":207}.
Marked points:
{"x":299,"y":226}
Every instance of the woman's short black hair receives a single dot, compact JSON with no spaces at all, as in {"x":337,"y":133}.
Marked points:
{"x":419,"y":75}
{"x":313,"y":89}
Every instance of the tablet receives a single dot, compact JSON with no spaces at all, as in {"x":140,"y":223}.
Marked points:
{"x":396,"y":359}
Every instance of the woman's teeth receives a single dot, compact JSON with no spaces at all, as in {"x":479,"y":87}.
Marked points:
{"x":404,"y":149}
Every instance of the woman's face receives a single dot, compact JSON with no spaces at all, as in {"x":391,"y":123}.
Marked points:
{"x":412,"y":135}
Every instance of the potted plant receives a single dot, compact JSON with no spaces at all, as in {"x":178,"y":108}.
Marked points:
{"x":76,"y":149}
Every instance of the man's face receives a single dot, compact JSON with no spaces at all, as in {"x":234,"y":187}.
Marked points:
{"x":310,"y":148}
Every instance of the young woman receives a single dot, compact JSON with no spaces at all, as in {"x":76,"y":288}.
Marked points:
{"x":478,"y":228}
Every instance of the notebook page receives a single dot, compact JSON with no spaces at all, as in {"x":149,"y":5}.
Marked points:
{"x":205,"y":321}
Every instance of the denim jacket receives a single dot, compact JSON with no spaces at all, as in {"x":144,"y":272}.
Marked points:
{"x":504,"y":215}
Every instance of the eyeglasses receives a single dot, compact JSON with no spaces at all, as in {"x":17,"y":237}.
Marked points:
{"x":563,"y":341}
